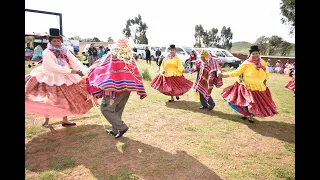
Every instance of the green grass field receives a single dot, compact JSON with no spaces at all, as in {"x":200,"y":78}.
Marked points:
{"x":167,"y":140}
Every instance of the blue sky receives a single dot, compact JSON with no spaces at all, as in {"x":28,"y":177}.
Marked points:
{"x":168,"y":21}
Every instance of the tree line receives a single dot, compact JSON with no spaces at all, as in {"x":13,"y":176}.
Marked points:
{"x":136,"y":29}
{"x":210,"y":38}
{"x":94,"y":39}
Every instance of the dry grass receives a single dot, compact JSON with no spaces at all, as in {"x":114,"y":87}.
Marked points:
{"x":168,"y":140}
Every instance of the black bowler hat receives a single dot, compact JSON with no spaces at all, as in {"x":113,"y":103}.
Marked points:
{"x":254,"y":48}
{"x":172,"y":46}
{"x":53,"y":32}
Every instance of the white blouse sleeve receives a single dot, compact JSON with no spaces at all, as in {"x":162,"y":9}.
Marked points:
{"x":49,"y":64}
{"x":75,"y":63}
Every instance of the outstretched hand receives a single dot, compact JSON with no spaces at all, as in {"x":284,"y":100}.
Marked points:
{"x":77,"y":72}
{"x":80,"y":73}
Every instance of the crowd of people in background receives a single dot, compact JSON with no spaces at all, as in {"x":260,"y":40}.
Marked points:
{"x":279,"y":67}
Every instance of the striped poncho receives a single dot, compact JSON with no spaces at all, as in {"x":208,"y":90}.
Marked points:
{"x":207,"y":77}
{"x":114,"y":76}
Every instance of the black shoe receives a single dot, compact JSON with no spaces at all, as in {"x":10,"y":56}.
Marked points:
{"x":202,"y":107}
{"x":244,"y":117}
{"x":68,"y":124}
{"x":177,"y":97}
{"x":110,"y":132}
{"x":210,"y":108}
{"x":171,"y":100}
{"x":121,"y":133}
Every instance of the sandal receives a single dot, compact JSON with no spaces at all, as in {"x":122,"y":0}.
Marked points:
{"x":68,"y":124}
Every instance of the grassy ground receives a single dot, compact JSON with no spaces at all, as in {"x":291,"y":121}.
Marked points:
{"x":167,"y":140}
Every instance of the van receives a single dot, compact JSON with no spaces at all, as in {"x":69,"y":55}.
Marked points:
{"x":228,"y":60}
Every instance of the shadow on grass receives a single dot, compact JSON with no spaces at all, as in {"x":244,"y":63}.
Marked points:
{"x":279,"y":130}
{"x":107,"y":157}
{"x":76,"y":119}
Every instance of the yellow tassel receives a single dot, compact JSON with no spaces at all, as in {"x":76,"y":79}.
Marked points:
{"x":197,"y":95}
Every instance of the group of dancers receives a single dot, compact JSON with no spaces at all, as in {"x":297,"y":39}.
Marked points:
{"x":55,"y":90}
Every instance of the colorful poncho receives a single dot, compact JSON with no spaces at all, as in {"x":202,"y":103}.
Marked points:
{"x":207,"y":77}
{"x":116,"y":72}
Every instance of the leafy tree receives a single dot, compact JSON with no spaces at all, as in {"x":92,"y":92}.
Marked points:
{"x":95,"y":39}
{"x":198,"y":35}
{"x":205,"y":38}
{"x":136,"y":29}
{"x":262,"y":42}
{"x":213,"y":37}
{"x":226,"y":37}
{"x":274,"y":45}
{"x":285,"y":48}
{"x":75,"y":38}
{"x":110,"y":39}
{"x":288,"y":10}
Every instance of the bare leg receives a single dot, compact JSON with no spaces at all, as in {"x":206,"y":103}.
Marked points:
{"x":46,"y":122}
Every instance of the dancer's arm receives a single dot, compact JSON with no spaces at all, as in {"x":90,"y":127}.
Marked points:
{"x":237,"y":72}
{"x":76,"y":64}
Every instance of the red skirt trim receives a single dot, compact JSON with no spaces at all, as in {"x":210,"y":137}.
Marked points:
{"x":259,"y":103}
{"x":56,"y":101}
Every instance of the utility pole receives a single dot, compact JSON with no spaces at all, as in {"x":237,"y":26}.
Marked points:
{"x":52,"y":13}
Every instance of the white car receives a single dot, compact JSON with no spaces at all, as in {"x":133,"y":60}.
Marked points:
{"x":226,"y":57}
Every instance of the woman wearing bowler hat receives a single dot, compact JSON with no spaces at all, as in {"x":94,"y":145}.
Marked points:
{"x":171,"y":81}
{"x":55,"y":90}
{"x":250,"y":95}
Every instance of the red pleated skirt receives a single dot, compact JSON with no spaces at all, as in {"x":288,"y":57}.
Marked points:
{"x":174,"y":85}
{"x":259,"y":103}
{"x":291,"y":84}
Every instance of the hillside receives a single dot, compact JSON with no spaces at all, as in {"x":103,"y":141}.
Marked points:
{"x":240,"y":47}
{"x":243,"y":48}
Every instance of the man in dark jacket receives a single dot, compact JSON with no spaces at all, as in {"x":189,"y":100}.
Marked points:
{"x":158,"y":60}
{"x":148,"y":57}
{"x":93,"y":54}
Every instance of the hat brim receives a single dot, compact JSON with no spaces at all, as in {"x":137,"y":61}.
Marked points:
{"x":56,"y":36}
